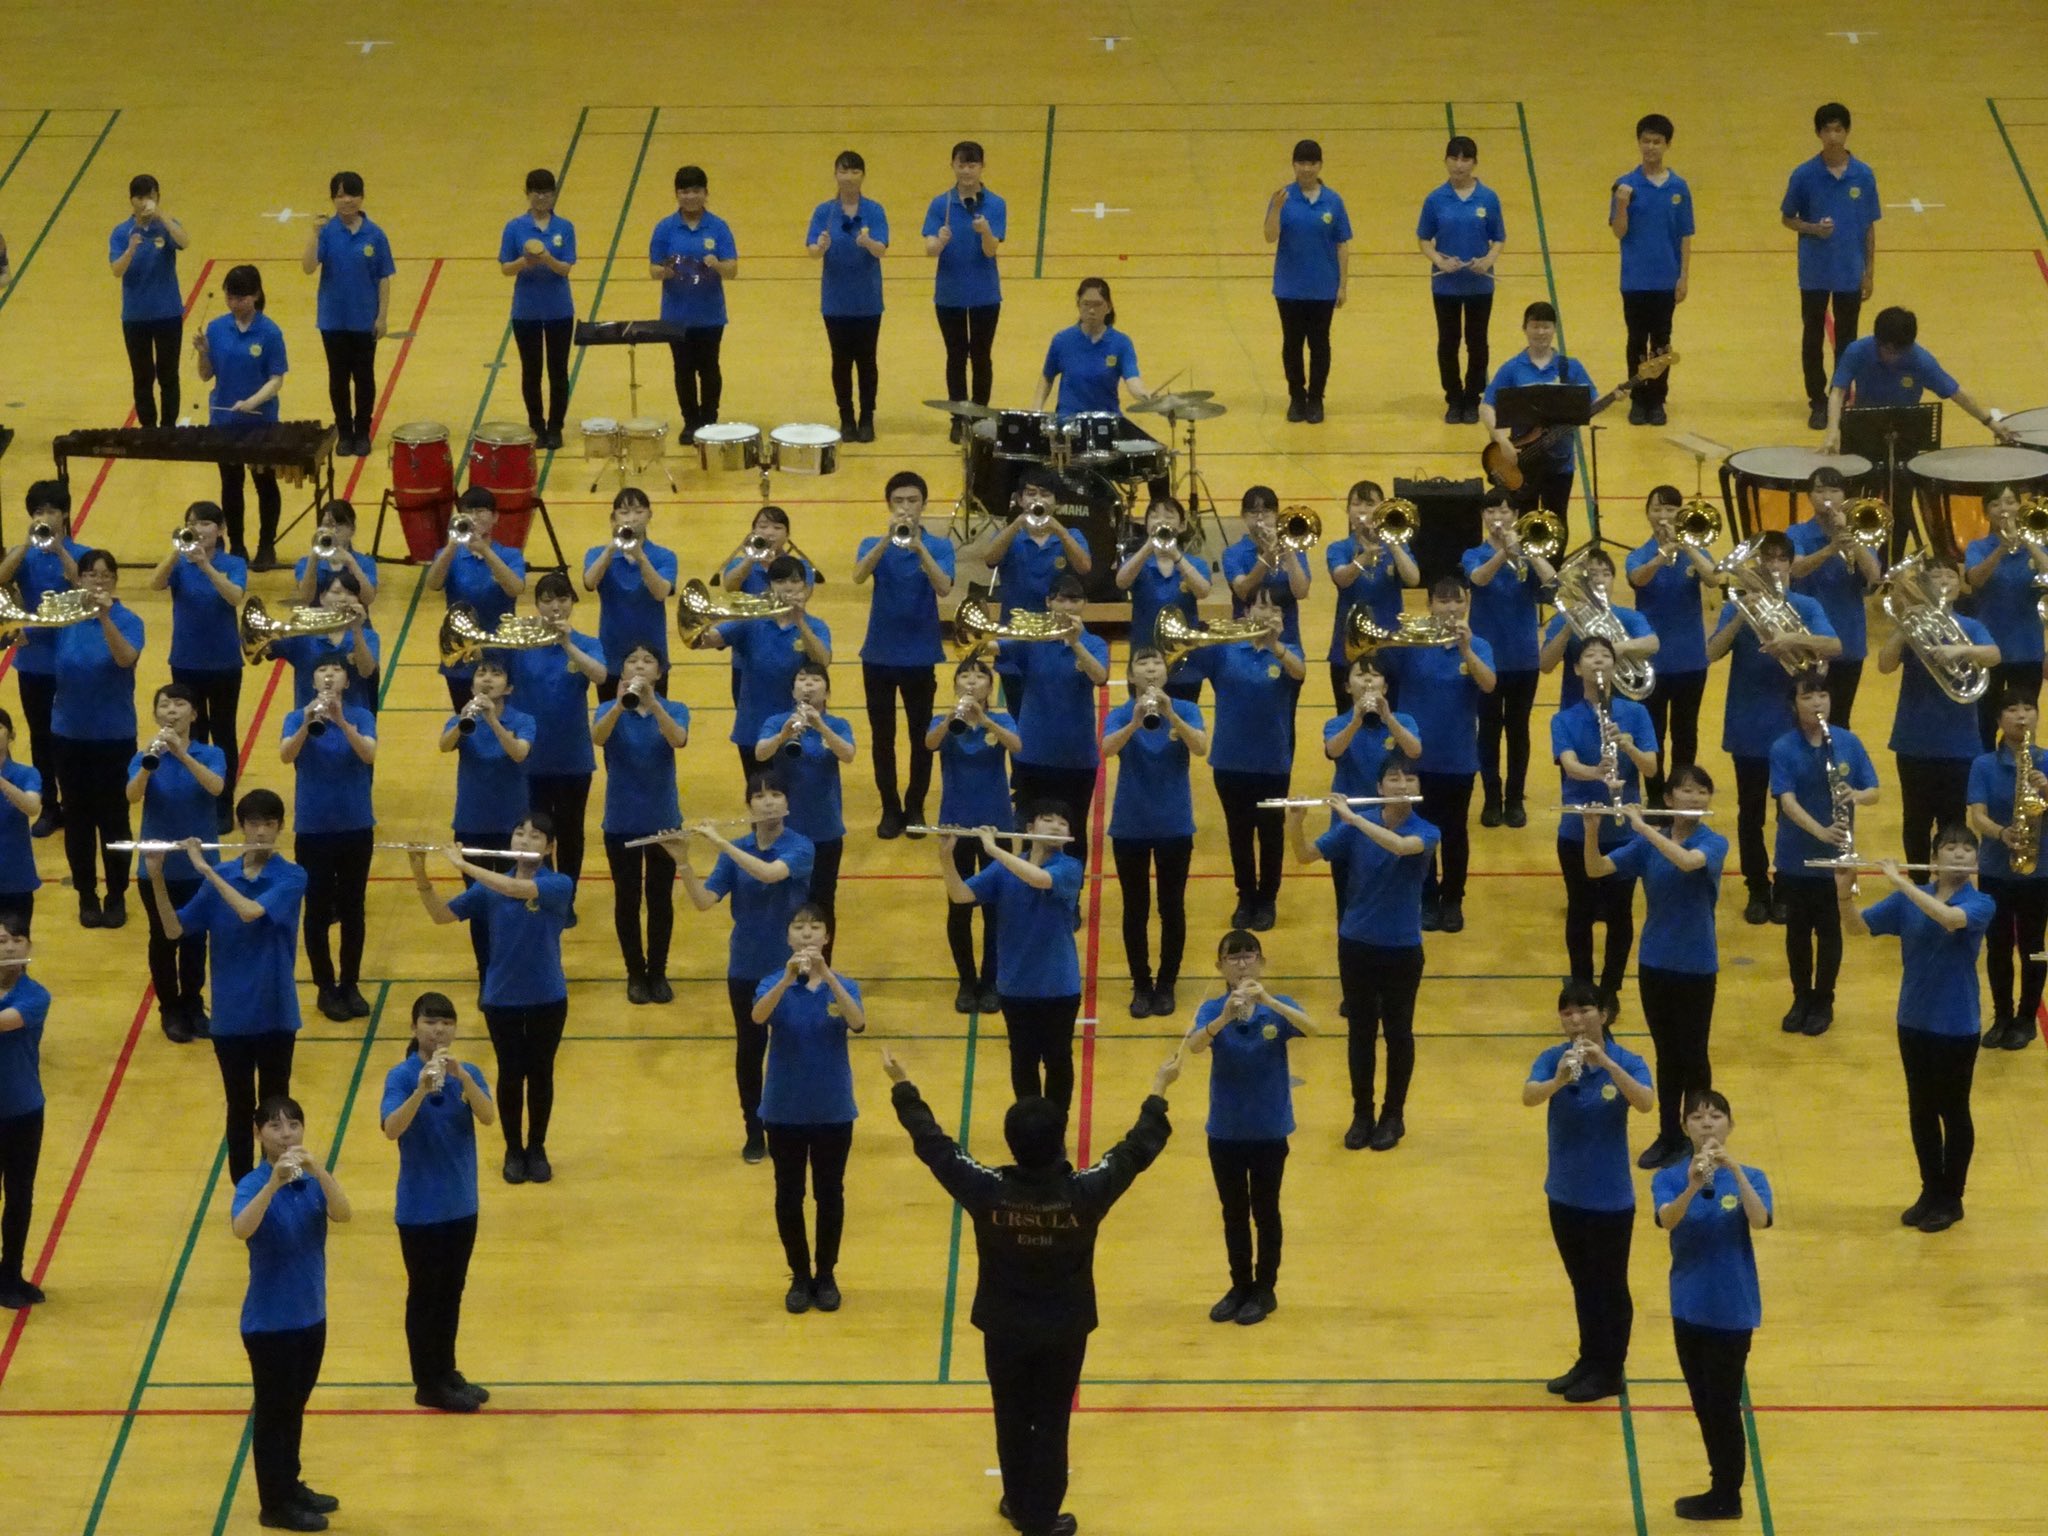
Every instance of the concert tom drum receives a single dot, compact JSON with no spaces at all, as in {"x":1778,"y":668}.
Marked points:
{"x":1761,"y":486}
{"x":502,"y":461}
{"x":1953,"y":483}
{"x":728,"y":446}
{"x":1025,"y":435}
{"x":644,"y":436}
{"x":422,"y":467}
{"x":601,"y":438}
{"x":805,"y":448}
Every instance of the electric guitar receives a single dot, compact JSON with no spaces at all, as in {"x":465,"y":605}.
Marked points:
{"x":1511,"y":468}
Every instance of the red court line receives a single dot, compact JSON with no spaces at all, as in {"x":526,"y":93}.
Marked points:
{"x":2041,"y":261}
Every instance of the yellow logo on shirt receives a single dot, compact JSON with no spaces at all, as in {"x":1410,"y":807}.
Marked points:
{"x":1387,"y":745}
{"x":557,"y":242}
{"x":255,"y":349}
{"x":796,"y":641}
{"x":710,"y":244}
{"x":1463,"y":670}
{"x":369,"y":251}
{"x":1478,"y":212}
{"x":1328,"y":219}
{"x":1607,"y":1091}
{"x":831,"y":1010}
{"x":158,"y":242}
{"x":1270,"y":1032}
{"x":1677,"y":198}
{"x":1272,"y":671}
{"x":1729,"y":1202}
{"x":1855,"y":191}
{"x":1060,"y":563}
{"x":1109,"y":361}
{"x":1906,"y":380}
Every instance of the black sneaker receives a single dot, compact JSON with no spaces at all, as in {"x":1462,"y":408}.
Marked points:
{"x":1141,"y":1003}
{"x":797,"y":1299}
{"x":756,"y":1147}
{"x":1064,"y":1525}
{"x":89,"y":911}
{"x":1795,"y":1016}
{"x":1638,"y":414}
{"x":1817,"y":418}
{"x":1163,"y":1001}
{"x":1941,"y":1215}
{"x":1451,"y":917}
{"x":1257,"y":1307}
{"x":1297,"y":410}
{"x":636,"y":990}
{"x":293,"y":1518}
{"x":1226,"y":1310}
{"x":1312,"y":413}
{"x":825,"y":1294}
{"x":659,"y":991}
{"x":865,"y":432}
{"x":176,"y":1029}
{"x":1454,"y":413}
{"x":16,"y":1293}
{"x":1471,"y":413}
{"x":1515,"y":814}
{"x":319,"y":1503}
{"x":2020,"y":1036}
{"x":114,"y":914}
{"x":333,"y":1005}
{"x":1358,"y":1134}
{"x":1241,"y":914}
{"x":988,"y":1001}
{"x":1591,"y":1387}
{"x":1657,"y":417}
{"x":265,"y":559}
{"x":890,"y":827}
{"x":848,"y":431}
{"x":1757,"y":913}
{"x":445,"y":1399}
{"x":1780,"y":913}
{"x":538,"y":1169}
{"x":515,"y":1167}
{"x":199,"y":1021}
{"x":463,"y":1384}
{"x":1993,"y":1039}
{"x":1818,"y":1017}
{"x":1916,"y":1213}
{"x":1489,"y":812}
{"x":964,"y":998}
{"x":358,"y":1005}
{"x":1710,"y":1505}
{"x":1432,"y":915}
{"x":955,"y":433}
{"x":1388,"y":1133}
{"x":1662,"y":1153}
{"x":1264,"y":916}
{"x":1557,"y":1385}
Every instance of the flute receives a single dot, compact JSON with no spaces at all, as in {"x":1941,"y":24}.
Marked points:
{"x":467,"y":853}
{"x":1609,"y":808}
{"x":163,"y":845}
{"x":694,"y":830}
{"x":1857,"y":861}
{"x":1324,"y":800}
{"x":1013,"y":837}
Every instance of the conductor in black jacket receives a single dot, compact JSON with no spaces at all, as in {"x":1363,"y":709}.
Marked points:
{"x":1034,"y":1301}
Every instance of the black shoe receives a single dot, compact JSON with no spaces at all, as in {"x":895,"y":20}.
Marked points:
{"x":445,"y":1399}
{"x":1489,"y":812}
{"x":1141,"y":1002}
{"x":890,"y":826}
{"x":1662,"y":1153}
{"x":265,"y":559}
{"x":964,"y":998}
{"x":469,"y":1388}
{"x":1993,"y":1039}
{"x":1795,"y":1016}
{"x":797,"y":1299}
{"x":538,"y":1169}
{"x":358,"y":1005}
{"x":1657,"y":418}
{"x":865,"y":432}
{"x":1757,"y":913}
{"x":658,"y":989}
{"x":756,"y":1147}
{"x":1917,"y":1212}
{"x":115,"y":913}
{"x":848,"y":432}
{"x":1388,"y":1133}
{"x":1163,"y":1001}
{"x":199,"y":1021}
{"x":1312,"y":413}
{"x":1358,"y":1134}
{"x":1472,"y":413}
{"x":988,"y":1001}
{"x":1432,"y":915}
{"x":1226,"y":1310}
{"x":294,"y":1518}
{"x":1817,"y":418}
{"x":1712,"y":1506}
{"x":1257,"y":1307}
{"x":1264,"y":916}
{"x":1941,"y":1215}
{"x":89,"y":911}
{"x":1451,"y":917}
{"x":1557,"y":1385}
{"x":16,"y":1293}
{"x":1515,"y":814}
{"x":319,"y":1503}
{"x":1454,"y":413}
{"x":176,"y":1029}
{"x":2020,"y":1036}
{"x":1818,"y":1017}
{"x":515,"y":1167}
{"x":825,"y":1294}
{"x":636,"y":990}
{"x":1297,"y":410}
{"x":1638,"y":414}
{"x":913,"y":816}
{"x":1591,"y":1387}
{"x":332,"y":1005}
{"x":48,"y":824}
{"x":1241,"y":915}
{"x":1064,"y":1525}
{"x":1780,"y":913}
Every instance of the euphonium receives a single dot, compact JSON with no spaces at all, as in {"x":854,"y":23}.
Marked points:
{"x":697,"y":610}
{"x":259,"y":631}
{"x":1176,"y":636}
{"x":2028,"y":806}
{"x":1589,"y":613}
{"x":1870,"y":524}
{"x":1924,"y":619}
{"x":1770,"y":616}
{"x":976,"y":630}
{"x":1300,"y":529}
{"x":1363,"y":635}
{"x":1395,"y":522}
{"x":1539,"y":533}
{"x":1698,"y":523}
{"x":58,"y":610}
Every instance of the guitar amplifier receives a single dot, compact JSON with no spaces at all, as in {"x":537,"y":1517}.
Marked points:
{"x":1447,"y":523}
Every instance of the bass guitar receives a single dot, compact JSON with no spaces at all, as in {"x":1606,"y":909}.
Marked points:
{"x":1510,"y":468}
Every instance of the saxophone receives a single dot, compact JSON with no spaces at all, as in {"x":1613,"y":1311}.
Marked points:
{"x":2027,"y":807}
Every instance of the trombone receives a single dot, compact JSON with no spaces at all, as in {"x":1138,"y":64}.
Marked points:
{"x":948,"y":830}
{"x":183,"y":539}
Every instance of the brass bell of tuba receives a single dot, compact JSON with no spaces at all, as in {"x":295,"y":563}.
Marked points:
{"x":259,"y":631}
{"x":1176,"y":636}
{"x":697,"y":610}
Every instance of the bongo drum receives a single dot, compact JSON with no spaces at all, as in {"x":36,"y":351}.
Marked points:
{"x":601,"y":438}
{"x":805,"y":448}
{"x":644,"y":437}
{"x":1952,"y":483}
{"x":1761,"y":486}
{"x":501,"y":460}
{"x":422,"y":467}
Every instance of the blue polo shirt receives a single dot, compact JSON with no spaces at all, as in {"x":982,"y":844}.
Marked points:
{"x":18,"y":875}
{"x":627,"y":614}
{"x":41,"y":571}
{"x":351,"y":267}
{"x":808,"y":1080}
{"x":1713,"y":1263}
{"x":1991,"y":786}
{"x":205,"y":627}
{"x":903,"y":613}
{"x":1357,"y":771}
{"x":755,"y":582}
{"x":1576,"y":730}
{"x":1238,"y":560}
{"x":850,"y":283}
{"x":1024,"y":579}
{"x":1671,"y":604}
{"x":974,"y":777}
{"x":1504,"y":611}
{"x":333,"y":784}
{"x":470,"y":581}
{"x":1382,"y":891}
{"x":326,"y":574}
{"x":697,"y":297}
{"x":1444,"y":700}
{"x":640,"y":770}
{"x":1089,"y":370}
{"x":95,"y":698}
{"x":813,"y":778}
{"x":1872,"y":381}
{"x":1250,"y":1095}
{"x":1799,"y":768}
{"x":437,"y":1151}
{"x":1378,"y":587}
{"x":1254,"y":707}
{"x":537,"y":292}
{"x":1518,"y":372}
{"x":1153,"y":593}
{"x":1937,"y":968}
{"x":1305,"y":259}
{"x":1153,"y":797}
{"x":21,"y":1081}
{"x":1588,"y":1132}
{"x":490,"y":788}
{"x":523,"y":966}
{"x":2005,"y":604}
{"x":1659,"y":222}
{"x":307,"y":652}
{"x":1057,"y":726}
{"x":761,"y":910}
{"x":1569,"y":688}
{"x":149,"y":288}
{"x":1034,"y":929}
{"x":1928,"y":723}
{"x":1463,"y":225}
{"x":767,"y":653}
{"x":287,"y":1254}
{"x":253,"y":990}
{"x":557,"y":696}
{"x":243,"y":362}
{"x":1838,"y":589}
{"x":1759,"y":708}
{"x":175,"y":806}
{"x":966,"y":279}
{"x":1678,"y":904}
{"x":1834,"y":264}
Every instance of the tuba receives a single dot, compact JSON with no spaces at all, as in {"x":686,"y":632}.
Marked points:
{"x":1589,"y":614}
{"x":1176,"y":636}
{"x":1870,"y":524}
{"x":1918,"y":610}
{"x":1364,"y":635}
{"x":259,"y":631}
{"x":1540,"y":534}
{"x":1766,"y":610}
{"x":976,"y":630}
{"x":697,"y":610}
{"x":2028,"y":806}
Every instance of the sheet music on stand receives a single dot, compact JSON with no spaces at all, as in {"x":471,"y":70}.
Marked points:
{"x":1888,"y":436}
{"x":1546,"y":406}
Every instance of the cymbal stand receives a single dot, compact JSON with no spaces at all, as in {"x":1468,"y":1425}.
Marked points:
{"x":1196,"y":496}
{"x":967,"y":506}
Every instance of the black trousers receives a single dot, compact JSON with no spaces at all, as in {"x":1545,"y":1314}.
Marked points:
{"x":252,"y":1068}
{"x":1258,"y":839}
{"x":2019,"y":923}
{"x":1032,"y":1380}
{"x":21,"y":1148}
{"x":1379,"y":984}
{"x":1648,"y":318}
{"x":824,"y":893}
{"x":751,"y":1055}
{"x":970,"y":858}
{"x":1305,"y":324}
{"x":269,"y":505}
{"x":1550,"y":489}
{"x":1470,"y":313}
{"x":351,"y":378}
{"x":337,"y":866}
{"x":153,"y":350}
{"x":177,"y":967}
{"x":95,"y":776}
{"x":636,"y":870}
{"x":1752,"y":798}
{"x":1845,"y":676}
{"x":1932,"y":790}
{"x":550,"y":339}
{"x":823,"y":1149}
{"x":1594,"y":1247}
{"x":525,"y":1040}
{"x":1073,"y":788}
{"x":970,"y":337}
{"x":284,"y":1367}
{"x":1446,"y":804}
{"x":38,"y":698}
{"x":1248,"y":1175}
{"x":1939,"y":1069}
{"x":1505,"y":713}
{"x":1813,"y":308}
{"x":1674,"y":706}
{"x":436,"y":1270}
{"x":1041,"y":1031}
{"x":1611,"y":900}
{"x":1813,"y":935}
{"x":215,"y":721}
{"x":699,"y":383}
{"x":1678,"y":1007}
{"x":1136,"y":858}
{"x":565,"y":797}
{"x":852,"y":339}
{"x":2023,"y":675}
{"x":918,"y":686}
{"x":1712,"y":1362}
{"x":479,"y":926}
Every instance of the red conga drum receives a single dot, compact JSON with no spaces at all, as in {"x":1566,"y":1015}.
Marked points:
{"x":502,"y":461}
{"x":422,"y":468}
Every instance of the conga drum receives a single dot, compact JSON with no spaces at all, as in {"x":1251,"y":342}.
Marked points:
{"x":1760,"y":486}
{"x":502,"y":461}
{"x":1952,"y":484}
{"x":422,"y":467}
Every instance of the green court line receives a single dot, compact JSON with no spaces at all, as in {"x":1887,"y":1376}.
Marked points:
{"x":1550,"y":282}
{"x":1635,"y":1471}
{"x":953,"y":1250}
{"x":1450,"y":120}
{"x":8,"y":174}
{"x":21,"y":269}
{"x":1044,"y":192}
{"x":2019,"y":170}
{"x":1756,"y":1461}
{"x":227,"y":1494}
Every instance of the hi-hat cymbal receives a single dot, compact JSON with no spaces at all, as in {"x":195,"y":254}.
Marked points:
{"x":961,"y":410}
{"x":1196,"y":410}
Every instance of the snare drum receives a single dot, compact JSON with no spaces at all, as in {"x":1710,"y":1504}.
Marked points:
{"x":1142,"y":459}
{"x":1952,"y":484}
{"x":1091,"y":436}
{"x":805,"y":448}
{"x":644,"y":437}
{"x":422,"y":467}
{"x":502,"y":461}
{"x":1760,"y":486}
{"x":728,"y":446}
{"x":601,"y":438}
{"x":1024,"y":435}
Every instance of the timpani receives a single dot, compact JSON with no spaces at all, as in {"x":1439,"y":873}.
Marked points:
{"x":1952,"y":484}
{"x":1760,"y":486}
{"x":2032,"y":426}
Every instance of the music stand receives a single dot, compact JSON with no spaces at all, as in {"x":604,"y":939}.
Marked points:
{"x":1545,"y":406}
{"x":1889,"y":435}
{"x":628,"y":334}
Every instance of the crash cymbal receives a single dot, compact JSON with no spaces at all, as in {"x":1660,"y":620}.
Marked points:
{"x":961,"y":410}
{"x":1166,"y":399}
{"x":1197,"y":410}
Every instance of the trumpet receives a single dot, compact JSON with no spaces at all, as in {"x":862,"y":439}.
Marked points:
{"x":697,"y":610}
{"x":1008,"y":837}
{"x":1869,"y":522}
{"x":1176,"y":637}
{"x":903,"y":534}
{"x":1300,"y":529}
{"x":758,"y":548}
{"x":259,"y":631}
{"x":625,"y":540}
{"x":326,"y":547}
{"x":1539,"y":533}
{"x":975,"y":628}
{"x":695,"y":829}
{"x":1364,"y":635}
{"x":462,"y":529}
{"x":1319,"y":801}
{"x":43,"y":535}
{"x":184,"y":540}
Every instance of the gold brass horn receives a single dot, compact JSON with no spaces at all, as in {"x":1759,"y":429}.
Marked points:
{"x":1870,"y":524}
{"x":976,"y":630}
{"x":1364,"y":635}
{"x":463,"y":639}
{"x":1698,"y":523}
{"x":2030,"y":523}
{"x":58,"y":610}
{"x":1540,"y":533}
{"x":1300,"y":529}
{"x":1395,"y":522}
{"x":259,"y":631}
{"x":1176,"y":636}
{"x":697,"y":610}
